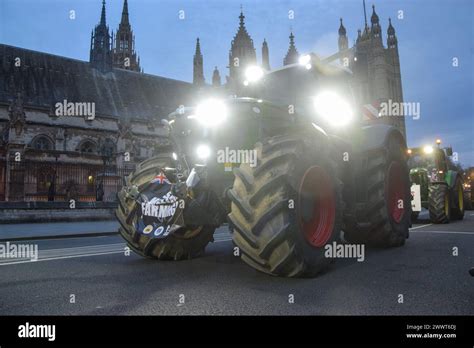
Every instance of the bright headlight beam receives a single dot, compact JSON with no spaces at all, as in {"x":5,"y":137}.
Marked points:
{"x":211,"y":112}
{"x":304,"y":59}
{"x":253,"y":73}
{"x":428,"y":149}
{"x":333,"y":108}
{"x":203,"y":151}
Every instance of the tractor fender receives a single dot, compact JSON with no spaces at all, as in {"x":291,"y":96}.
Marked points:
{"x":377,"y":136}
{"x":451,"y":178}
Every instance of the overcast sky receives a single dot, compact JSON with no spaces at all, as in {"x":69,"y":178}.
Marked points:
{"x":430,"y":34}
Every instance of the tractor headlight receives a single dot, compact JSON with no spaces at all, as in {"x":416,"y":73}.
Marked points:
{"x":253,"y":74}
{"x":428,"y":149}
{"x":203,"y":151}
{"x":305,"y":60}
{"x":211,"y":112}
{"x":333,"y":108}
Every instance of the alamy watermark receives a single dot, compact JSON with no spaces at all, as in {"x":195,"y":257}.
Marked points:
{"x":231,"y":156}
{"x":84,"y":109}
{"x":19,"y":251}
{"x":344,"y":251}
{"x":392,"y":108}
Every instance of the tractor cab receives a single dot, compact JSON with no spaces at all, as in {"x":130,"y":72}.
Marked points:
{"x":313,"y":90}
{"x":429,"y":161}
{"x":435,"y":186}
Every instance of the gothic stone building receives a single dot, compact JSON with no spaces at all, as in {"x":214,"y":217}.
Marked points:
{"x":128,"y":104}
{"x":50,"y":144}
{"x":376,"y":69}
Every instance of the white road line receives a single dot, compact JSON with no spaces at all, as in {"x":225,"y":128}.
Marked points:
{"x":222,"y":240}
{"x":446,"y":232}
{"x":69,"y":253}
{"x":417,"y":227}
{"x":60,"y":258}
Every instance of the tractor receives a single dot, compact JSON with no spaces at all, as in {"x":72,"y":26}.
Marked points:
{"x":469,"y":189}
{"x":435,"y":186}
{"x":291,"y":168}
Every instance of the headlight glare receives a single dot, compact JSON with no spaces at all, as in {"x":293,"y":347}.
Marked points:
{"x":333,"y":108}
{"x":211,"y":112}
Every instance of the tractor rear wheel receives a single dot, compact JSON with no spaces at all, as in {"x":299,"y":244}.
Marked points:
{"x":457,"y":211}
{"x":186,"y":243}
{"x":288,"y":208}
{"x":439,"y":204}
{"x":386,"y":217}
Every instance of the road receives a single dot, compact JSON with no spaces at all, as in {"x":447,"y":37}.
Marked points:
{"x":93,"y":275}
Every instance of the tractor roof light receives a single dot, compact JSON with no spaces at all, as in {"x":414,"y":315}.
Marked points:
{"x":428,"y":150}
{"x":438,"y":141}
{"x":305,"y":60}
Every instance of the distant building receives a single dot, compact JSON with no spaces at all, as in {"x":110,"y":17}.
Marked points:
{"x":376,"y":69}
{"x":62,"y":120}
{"x":377,"y":76}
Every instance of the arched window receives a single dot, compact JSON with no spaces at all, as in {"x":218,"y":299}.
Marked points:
{"x":42,"y":142}
{"x":88,"y":146}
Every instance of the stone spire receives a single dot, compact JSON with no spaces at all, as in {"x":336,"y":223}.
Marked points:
{"x":375,"y":29}
{"x":292,"y":55}
{"x":125,"y":56}
{"x":391,"y":37}
{"x":198,"y":69}
{"x":100,"y":55}
{"x":216,"y":78}
{"x":242,"y":52}
{"x":102,"y":14}
{"x":265,"y":56}
{"x":125,"y":20}
{"x":343,"y":44}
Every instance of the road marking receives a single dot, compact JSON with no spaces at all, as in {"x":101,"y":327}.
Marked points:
{"x":447,"y":232}
{"x":417,"y":227}
{"x":222,"y":240}
{"x":82,"y":251}
{"x":60,"y":258}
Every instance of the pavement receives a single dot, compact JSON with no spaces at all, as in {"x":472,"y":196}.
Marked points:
{"x":11,"y":232}
{"x":95,"y":276}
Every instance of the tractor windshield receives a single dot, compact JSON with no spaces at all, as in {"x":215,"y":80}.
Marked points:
{"x":298,"y":86}
{"x":421,"y":161}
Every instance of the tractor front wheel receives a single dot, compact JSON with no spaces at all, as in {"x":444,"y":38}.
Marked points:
{"x":457,"y":211}
{"x":288,"y":208}
{"x":386,"y":218}
{"x":439,"y":204}
{"x":185,"y":243}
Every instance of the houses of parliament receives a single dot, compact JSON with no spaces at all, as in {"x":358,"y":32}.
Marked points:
{"x":129,"y":104}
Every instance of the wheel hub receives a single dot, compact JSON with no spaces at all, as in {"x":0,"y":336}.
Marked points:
{"x":395,"y":192}
{"x":317,"y":206}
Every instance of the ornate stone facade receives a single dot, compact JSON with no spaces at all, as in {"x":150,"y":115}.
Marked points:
{"x":376,"y":69}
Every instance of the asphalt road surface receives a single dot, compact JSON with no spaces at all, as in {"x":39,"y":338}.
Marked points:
{"x":92,"y":275}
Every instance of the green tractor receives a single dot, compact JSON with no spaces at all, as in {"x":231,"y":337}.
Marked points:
{"x":288,"y":167}
{"x":434,"y":186}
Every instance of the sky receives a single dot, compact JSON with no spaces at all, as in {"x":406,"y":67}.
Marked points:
{"x":431,"y":33}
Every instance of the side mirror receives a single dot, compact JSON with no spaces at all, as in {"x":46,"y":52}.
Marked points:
{"x":449,"y":151}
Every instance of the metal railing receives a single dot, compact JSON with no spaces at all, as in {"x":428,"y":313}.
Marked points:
{"x":32,"y":181}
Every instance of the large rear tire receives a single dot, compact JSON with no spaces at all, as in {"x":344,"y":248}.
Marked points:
{"x":385,"y":221}
{"x":286,"y":209}
{"x":185,"y":243}
{"x":457,"y":211}
{"x":439,"y":204}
